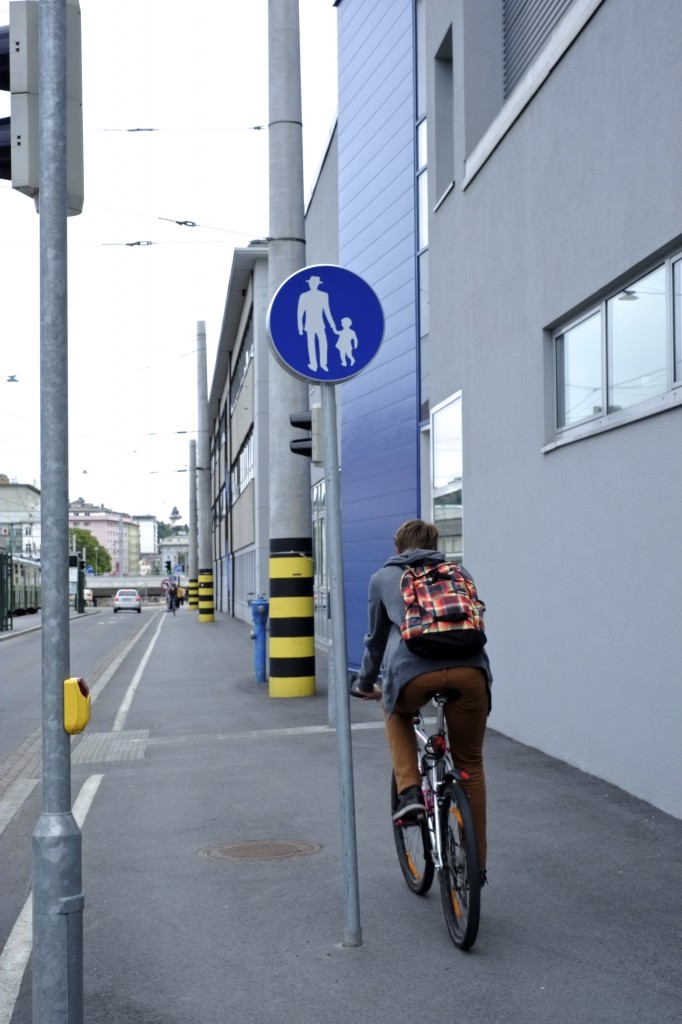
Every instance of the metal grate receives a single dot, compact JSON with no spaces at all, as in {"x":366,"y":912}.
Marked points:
{"x":261,"y":849}
{"x":97,"y":747}
{"x":526,"y":26}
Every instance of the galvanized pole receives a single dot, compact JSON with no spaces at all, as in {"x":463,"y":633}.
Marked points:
{"x":292,"y":655}
{"x":193,"y":542}
{"x":205,"y":544}
{"x":339,"y":682}
{"x":57,"y":888}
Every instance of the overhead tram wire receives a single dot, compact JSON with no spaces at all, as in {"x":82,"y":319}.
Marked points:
{"x":194,"y":128}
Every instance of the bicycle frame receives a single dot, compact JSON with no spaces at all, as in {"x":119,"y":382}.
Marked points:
{"x":437,"y":768}
{"x":443,"y":840}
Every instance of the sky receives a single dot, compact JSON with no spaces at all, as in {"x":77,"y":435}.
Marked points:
{"x":198,"y":72}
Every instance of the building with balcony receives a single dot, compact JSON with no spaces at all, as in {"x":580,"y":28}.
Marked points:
{"x":19,"y":519}
{"x":118,"y":532}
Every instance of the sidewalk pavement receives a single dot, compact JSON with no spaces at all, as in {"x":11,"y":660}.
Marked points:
{"x":212,"y":867}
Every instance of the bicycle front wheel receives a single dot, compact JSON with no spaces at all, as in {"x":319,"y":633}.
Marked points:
{"x":412,"y":846}
{"x":460,"y":887}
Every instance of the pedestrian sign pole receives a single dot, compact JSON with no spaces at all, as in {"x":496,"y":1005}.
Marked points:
{"x":58,"y":897}
{"x":325,"y":325}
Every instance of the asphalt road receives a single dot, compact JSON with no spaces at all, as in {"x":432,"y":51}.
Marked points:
{"x":200,"y":782}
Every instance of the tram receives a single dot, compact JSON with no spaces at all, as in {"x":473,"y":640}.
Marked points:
{"x":24,"y":586}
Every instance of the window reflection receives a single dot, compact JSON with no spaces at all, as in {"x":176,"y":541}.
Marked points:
{"x":579,"y":372}
{"x":637,"y":342}
{"x":446,"y":448}
{"x":423,"y":293}
{"x":677,"y":315}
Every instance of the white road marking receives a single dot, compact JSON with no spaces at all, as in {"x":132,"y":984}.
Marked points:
{"x":14,"y":956}
{"x":122,"y":714}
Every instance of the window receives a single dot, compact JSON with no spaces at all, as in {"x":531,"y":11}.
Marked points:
{"x":243,"y":362}
{"x":677,"y":315}
{"x":526,"y":26}
{"x":422,"y":188}
{"x":242,"y":469}
{"x":444,"y":111}
{"x":579,"y":371}
{"x":446,"y":474}
{"x":621,"y":357}
{"x":637,"y":342}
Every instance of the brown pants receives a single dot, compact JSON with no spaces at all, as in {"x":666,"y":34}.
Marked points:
{"x":466,"y":721}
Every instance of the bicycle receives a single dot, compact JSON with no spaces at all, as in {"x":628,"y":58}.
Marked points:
{"x":443,"y":840}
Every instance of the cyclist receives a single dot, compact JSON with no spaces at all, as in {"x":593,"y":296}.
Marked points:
{"x":172,"y":597}
{"x":408,"y":680}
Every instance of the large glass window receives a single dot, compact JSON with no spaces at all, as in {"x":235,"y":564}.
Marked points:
{"x":446,"y":473}
{"x":579,"y":370}
{"x":241,"y":366}
{"x":637,"y":342}
{"x":422,"y":188}
{"x":677,"y":314}
{"x":621,"y":355}
{"x":242,"y":469}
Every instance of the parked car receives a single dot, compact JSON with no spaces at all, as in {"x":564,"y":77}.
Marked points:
{"x":127,"y":598}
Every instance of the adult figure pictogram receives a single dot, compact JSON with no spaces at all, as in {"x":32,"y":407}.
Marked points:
{"x":313,"y":308}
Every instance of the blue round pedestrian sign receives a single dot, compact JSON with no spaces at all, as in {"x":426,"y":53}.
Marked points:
{"x":325,"y":324}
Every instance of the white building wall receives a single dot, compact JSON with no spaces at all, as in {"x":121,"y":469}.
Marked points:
{"x":575,"y":549}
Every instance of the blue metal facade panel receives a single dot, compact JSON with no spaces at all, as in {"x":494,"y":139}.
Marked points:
{"x":379,"y":408}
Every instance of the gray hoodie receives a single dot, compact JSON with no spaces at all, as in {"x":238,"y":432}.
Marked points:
{"x":385,"y":651}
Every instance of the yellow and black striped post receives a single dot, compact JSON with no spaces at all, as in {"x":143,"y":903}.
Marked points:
{"x":292,"y":625}
{"x":206,"y":595}
{"x":194,"y":593}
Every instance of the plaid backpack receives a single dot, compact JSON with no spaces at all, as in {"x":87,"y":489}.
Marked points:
{"x":443,"y":614}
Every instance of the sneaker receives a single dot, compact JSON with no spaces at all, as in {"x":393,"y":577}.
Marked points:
{"x":410,"y":806}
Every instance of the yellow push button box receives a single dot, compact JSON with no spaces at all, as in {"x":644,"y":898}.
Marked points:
{"x":76,"y":705}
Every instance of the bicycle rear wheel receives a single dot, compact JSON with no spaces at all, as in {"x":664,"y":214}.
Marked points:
{"x":412,"y":845}
{"x":460,"y":887}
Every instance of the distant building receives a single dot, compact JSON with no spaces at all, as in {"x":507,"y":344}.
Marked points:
{"x":19,"y":518}
{"x":118,"y":532}
{"x":149,"y":536}
{"x":175,"y":550}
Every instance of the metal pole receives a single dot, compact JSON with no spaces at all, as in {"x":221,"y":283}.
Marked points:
{"x":57,"y":889}
{"x":353,"y":933}
{"x":291,"y":577}
{"x":193,"y":548}
{"x":205,"y":544}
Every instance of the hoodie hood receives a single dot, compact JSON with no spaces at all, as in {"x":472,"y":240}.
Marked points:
{"x":415,"y":556}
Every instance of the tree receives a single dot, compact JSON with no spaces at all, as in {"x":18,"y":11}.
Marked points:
{"x":167,"y":530}
{"x":95,"y":555}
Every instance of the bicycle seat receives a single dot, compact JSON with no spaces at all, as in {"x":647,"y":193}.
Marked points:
{"x":443,"y":696}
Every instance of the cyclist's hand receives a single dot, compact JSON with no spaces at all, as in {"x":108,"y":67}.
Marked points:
{"x":374,"y":694}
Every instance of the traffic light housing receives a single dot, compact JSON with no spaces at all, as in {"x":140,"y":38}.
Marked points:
{"x":19,"y":75}
{"x":168,"y":566}
{"x":311,"y":446}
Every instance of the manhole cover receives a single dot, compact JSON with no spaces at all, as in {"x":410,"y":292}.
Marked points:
{"x":261,"y":849}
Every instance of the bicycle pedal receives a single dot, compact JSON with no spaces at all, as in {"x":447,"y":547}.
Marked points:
{"x":415,"y":819}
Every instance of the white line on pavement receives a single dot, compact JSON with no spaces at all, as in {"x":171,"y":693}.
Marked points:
{"x":122,"y":714}
{"x":14,"y":956}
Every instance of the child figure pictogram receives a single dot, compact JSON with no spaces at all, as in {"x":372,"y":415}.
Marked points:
{"x":347,"y":341}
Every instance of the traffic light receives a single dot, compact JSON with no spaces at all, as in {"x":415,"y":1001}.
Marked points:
{"x":19,"y":75}
{"x":168,"y":566}
{"x":311,"y":446}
